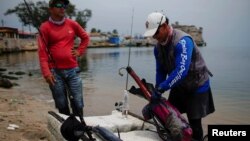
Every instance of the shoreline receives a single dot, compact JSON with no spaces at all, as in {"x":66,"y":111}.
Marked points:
{"x":27,"y":106}
{"x":18,"y":107}
{"x":27,"y":113}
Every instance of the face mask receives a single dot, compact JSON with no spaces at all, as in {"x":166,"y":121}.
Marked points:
{"x":57,"y":22}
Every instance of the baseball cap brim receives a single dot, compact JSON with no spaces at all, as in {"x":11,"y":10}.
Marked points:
{"x":150,"y":32}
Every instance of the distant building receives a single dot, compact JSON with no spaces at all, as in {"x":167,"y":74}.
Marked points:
{"x":98,"y":37}
{"x":195,"y":32}
{"x":8,"y":32}
{"x":26,"y":35}
{"x":102,"y":40}
{"x":114,"y":40}
{"x":12,"y":40}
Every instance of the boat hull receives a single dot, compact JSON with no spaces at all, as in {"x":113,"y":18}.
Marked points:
{"x":129,"y":129}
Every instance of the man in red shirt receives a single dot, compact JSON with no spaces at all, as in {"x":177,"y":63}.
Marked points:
{"x":58,"y":58}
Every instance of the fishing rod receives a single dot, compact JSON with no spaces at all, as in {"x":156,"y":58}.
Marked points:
{"x":125,"y":104}
{"x":129,"y":48}
{"x":53,"y":61}
{"x":40,"y":33}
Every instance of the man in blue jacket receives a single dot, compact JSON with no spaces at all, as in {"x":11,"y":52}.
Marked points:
{"x":181,"y":69}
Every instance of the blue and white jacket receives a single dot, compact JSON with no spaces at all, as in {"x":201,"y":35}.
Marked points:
{"x":180,"y":64}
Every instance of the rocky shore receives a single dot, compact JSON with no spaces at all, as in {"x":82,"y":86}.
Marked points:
{"x":23,"y":116}
{"x":5,"y":78}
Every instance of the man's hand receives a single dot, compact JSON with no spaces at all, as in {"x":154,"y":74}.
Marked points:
{"x":156,"y":96}
{"x":160,"y":90}
{"x":50,"y":80}
{"x":75,"y":53}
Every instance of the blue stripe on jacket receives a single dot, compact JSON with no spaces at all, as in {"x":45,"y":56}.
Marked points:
{"x":183,"y":53}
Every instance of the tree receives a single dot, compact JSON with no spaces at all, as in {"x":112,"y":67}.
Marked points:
{"x":71,"y":11}
{"x":83,"y":17}
{"x":93,"y":30}
{"x":25,"y":17}
{"x":115,"y":32}
{"x":40,"y":13}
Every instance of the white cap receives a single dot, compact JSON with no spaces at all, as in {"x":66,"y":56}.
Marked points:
{"x":154,"y":20}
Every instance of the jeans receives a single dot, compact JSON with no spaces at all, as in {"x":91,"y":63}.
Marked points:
{"x":68,"y":85}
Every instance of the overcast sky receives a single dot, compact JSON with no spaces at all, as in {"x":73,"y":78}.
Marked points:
{"x":226,"y":20}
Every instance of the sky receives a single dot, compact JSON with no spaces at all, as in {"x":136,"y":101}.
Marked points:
{"x":223,"y":21}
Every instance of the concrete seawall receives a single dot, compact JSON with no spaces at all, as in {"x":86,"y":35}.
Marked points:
{"x":15,"y":45}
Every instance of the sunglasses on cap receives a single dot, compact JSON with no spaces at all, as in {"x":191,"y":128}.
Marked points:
{"x":157,"y":31}
{"x":59,"y":5}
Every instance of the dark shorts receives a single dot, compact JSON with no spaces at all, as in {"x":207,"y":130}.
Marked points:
{"x":196,"y":106}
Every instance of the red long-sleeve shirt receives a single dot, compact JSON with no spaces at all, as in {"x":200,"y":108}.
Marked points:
{"x":59,"y":41}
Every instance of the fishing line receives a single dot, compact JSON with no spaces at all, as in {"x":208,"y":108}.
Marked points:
{"x":129,"y":48}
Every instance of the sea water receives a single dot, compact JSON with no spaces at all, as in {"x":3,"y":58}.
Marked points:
{"x":103,"y":86}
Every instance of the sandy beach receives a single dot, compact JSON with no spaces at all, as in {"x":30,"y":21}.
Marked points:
{"x":24,"y":108}
{"x":27,"y":114}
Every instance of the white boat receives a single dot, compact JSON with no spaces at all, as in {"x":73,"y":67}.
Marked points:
{"x":131,"y":128}
{"x":127,"y":129}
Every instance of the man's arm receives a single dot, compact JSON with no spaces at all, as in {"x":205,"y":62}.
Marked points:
{"x":44,"y":57}
{"x":160,"y":73}
{"x":183,"y":54}
{"x":43,"y":54}
{"x":82,"y":34}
